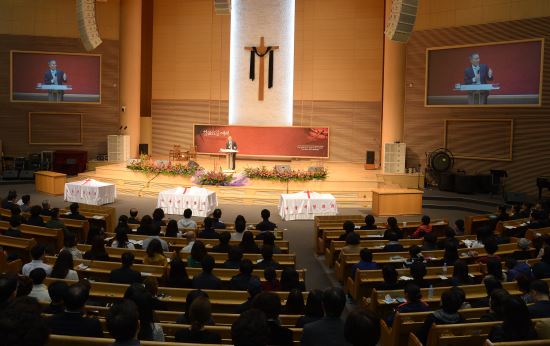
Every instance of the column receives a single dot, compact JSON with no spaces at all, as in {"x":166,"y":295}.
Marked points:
{"x":393,"y":99}
{"x":250,"y":20}
{"x":130,"y":70}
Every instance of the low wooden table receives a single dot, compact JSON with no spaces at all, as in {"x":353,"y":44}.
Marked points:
{"x":397,"y":202}
{"x":49,"y":182}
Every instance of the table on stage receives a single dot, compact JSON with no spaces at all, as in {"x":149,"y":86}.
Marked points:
{"x":397,"y":201}
{"x":90,"y":191}
{"x":306,"y":205}
{"x":200,"y":200}
{"x":50,"y":182}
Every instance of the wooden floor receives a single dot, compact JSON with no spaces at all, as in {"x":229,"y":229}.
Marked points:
{"x":350,"y":183}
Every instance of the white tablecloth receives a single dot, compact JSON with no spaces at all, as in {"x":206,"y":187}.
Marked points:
{"x":306,"y":205}
{"x":200,"y":200}
{"x":90,"y":191}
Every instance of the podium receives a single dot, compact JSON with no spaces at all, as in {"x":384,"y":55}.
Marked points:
{"x":476,"y":91}
{"x":230,"y":156}
{"x":52,"y":183}
{"x":55,"y":91}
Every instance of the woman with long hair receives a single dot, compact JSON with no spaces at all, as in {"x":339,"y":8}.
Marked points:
{"x":494,"y":268}
{"x":148,"y":328}
{"x":64,"y":267}
{"x":392,"y":226}
{"x":461,"y":275}
{"x":177,"y":276}
{"x":294,"y":303}
{"x":158,"y":216}
{"x":123,"y":224}
{"x":516,"y":324}
{"x":145,"y":225}
{"x":313,"y":310}
{"x":121,"y":240}
{"x":155,"y":254}
{"x":291,"y":280}
{"x":200,"y":314}
{"x":198,"y":251}
{"x":247,"y":244}
{"x":172,"y":229}
{"x":97,"y":252}
{"x":451,"y":254}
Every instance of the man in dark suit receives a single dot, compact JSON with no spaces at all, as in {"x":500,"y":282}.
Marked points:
{"x":9,"y":201}
{"x":328,"y":331}
{"x":477,"y":73}
{"x":266,"y":225}
{"x":54,"y":77}
{"x":208,"y":232}
{"x":206,"y":280}
{"x":231,"y":144}
{"x":241,"y":281}
{"x":125,"y":274}
{"x":74,"y":214}
{"x":71,"y":321}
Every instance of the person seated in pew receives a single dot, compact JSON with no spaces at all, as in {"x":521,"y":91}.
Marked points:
{"x":450,"y":256}
{"x":523,"y":252}
{"x":155,"y":254}
{"x":515,"y":212}
{"x":267,"y":259}
{"x":158,"y":217}
{"x":125,"y":274}
{"x":429,"y":242}
{"x":491,"y":247}
{"x":64,"y":267}
{"x":145,"y":225}
{"x":155,"y":234}
{"x":15,"y":210}
{"x":329,"y":330}
{"x":516,"y":324}
{"x":491,"y":283}
{"x":254,"y":288}
{"x":8,"y":289}
{"x":200,"y":313}
{"x":541,"y":270}
{"x":172,"y":230}
{"x":415,"y":255}
{"x":223,"y":244}
{"x":24,"y":286}
{"x":15,"y":227}
{"x":461,"y":275}
{"x":39,"y":290}
{"x":191,"y":237}
{"x":97,"y":252}
{"x":459,"y":227}
{"x":418,"y":271}
{"x":133,"y":219}
{"x":370,"y":223}
{"x":290,"y":279}
{"x":362,"y":328}
{"x":494,"y":268}
{"x":393,"y":245}
{"x":71,"y":321}
{"x":234,"y":258}
{"x":516,"y":268}
{"x":121,"y":241}
{"x":123,"y":323}
{"x":198,"y":251}
{"x":69,"y":244}
{"x":269,"y":240}
{"x":208,"y":232}
{"x":247,"y":244}
{"x":151,"y":284}
{"x":524,"y":286}
{"x":449,"y":238}
{"x":352,"y":245}
{"x":46,"y":208}
{"x":9,"y":201}
{"x":447,"y":314}
{"x":538,"y":219}
{"x":313,"y":310}
{"x":35,"y":219}
{"x":189,"y":299}
{"x":265,"y":224}
{"x":391,"y":279}
{"x":54,"y":221}
{"x":25,"y":203}
{"x":413,"y":303}
{"x":270,"y":282}
{"x":148,"y":329}
{"x":57,"y":291}
{"x":122,"y":225}
{"x":294,"y":303}
{"x":502,"y":213}
{"x":365,"y":263}
{"x":348,"y":227}
{"x":541,"y":296}
{"x":216,"y":216}
{"x":496,"y":302}
{"x":270,"y":304}
{"x":177,"y":274}
{"x":240,"y":226}
{"x":187,"y":221}
{"x":240,"y":281}
{"x":21,"y":324}
{"x":250,"y":328}
{"x":423,"y":228}
{"x":392,"y":226}
{"x":38,"y":252}
{"x":74,"y":213}
{"x":207,"y":280}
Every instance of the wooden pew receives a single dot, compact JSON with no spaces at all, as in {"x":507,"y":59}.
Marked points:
{"x":473,"y":222}
{"x":538,"y":232}
{"x":19,"y":246}
{"x":81,"y":228}
{"x":110,"y":221}
{"x":502,"y":225}
{"x":545,"y":342}
{"x":52,"y":238}
{"x":96,"y":219}
{"x":64,"y":340}
{"x":13,"y":267}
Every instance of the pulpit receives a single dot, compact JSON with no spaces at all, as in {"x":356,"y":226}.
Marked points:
{"x":230,"y":155}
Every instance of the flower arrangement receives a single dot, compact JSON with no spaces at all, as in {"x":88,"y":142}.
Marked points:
{"x":212,"y":178}
{"x":146,"y":165}
{"x":290,"y":175}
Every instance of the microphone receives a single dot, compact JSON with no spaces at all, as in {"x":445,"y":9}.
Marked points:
{"x":120,"y":128}
{"x":125,"y":127}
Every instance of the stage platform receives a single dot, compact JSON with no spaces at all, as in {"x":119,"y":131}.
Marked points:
{"x":350,"y":183}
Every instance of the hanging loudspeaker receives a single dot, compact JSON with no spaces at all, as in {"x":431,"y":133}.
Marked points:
{"x":85,"y":11}
{"x":400,"y":23}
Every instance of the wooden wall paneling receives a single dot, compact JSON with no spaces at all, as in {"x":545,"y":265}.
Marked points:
{"x":99,"y":120}
{"x":424,"y":127}
{"x":55,"y":128}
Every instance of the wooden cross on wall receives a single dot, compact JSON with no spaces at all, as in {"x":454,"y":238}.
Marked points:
{"x":262,"y":51}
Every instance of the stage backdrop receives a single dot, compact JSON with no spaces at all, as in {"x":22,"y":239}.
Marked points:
{"x":267,"y":141}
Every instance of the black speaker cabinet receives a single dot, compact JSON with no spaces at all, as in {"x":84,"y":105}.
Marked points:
{"x":10,"y":174}
{"x":446,"y":182}
{"x":369,"y":160}
{"x":465,"y":184}
{"x":144,"y":149}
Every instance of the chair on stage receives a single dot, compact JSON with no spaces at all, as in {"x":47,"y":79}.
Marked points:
{"x":176,"y":154}
{"x":192,"y":153}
